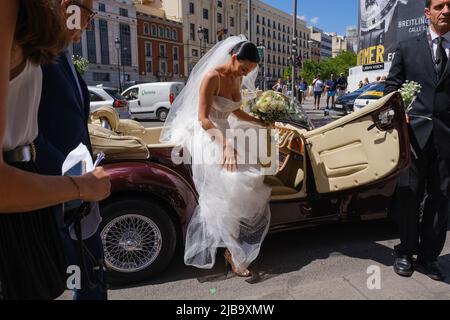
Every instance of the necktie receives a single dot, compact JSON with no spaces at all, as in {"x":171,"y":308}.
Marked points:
{"x":441,"y":58}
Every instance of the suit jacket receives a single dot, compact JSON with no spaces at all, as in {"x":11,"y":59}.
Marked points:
{"x":413,"y":61}
{"x":62,"y":117}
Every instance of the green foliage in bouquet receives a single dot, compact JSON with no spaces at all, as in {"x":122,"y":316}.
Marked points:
{"x":271,"y":107}
{"x":409,"y":91}
{"x":80,"y":63}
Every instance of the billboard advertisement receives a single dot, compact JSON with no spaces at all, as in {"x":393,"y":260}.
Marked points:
{"x":384,"y":23}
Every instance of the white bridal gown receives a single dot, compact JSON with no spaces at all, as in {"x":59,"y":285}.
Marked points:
{"x":233,"y":210}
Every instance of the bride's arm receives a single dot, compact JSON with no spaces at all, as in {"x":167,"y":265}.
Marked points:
{"x":242,"y":115}
{"x":209,"y":85}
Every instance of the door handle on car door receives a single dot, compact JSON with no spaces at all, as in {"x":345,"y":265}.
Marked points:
{"x":139,"y":103}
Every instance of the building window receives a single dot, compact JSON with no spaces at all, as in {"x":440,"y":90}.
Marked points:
{"x":148,"y":66}
{"x":192,"y":32}
{"x":176,"y":68}
{"x":163,"y":66}
{"x":148,"y":49}
{"x":123,"y":12}
{"x":268,"y":59}
{"x":279,"y":26}
{"x":268,"y":22}
{"x":246,"y":25}
{"x":104,"y":45}
{"x":219,"y":4}
{"x":77,"y":49}
{"x":231,"y":21}
{"x":90,"y":40}
{"x":263,"y":31}
{"x":263,"y":21}
{"x":284,"y":28}
{"x":274,"y":25}
{"x":191,"y":8}
{"x":174,"y":35}
{"x":176,"y":55}
{"x":257,"y":29}
{"x":101,"y":77}
{"x":257,"y":18}
{"x":154,"y":30}
{"x":274,"y":35}
{"x":205,"y":14}
{"x":194,"y":52}
{"x":101,"y":7}
{"x":167,"y":33}
{"x":146,"y":28}
{"x":125,"y":43}
{"x":161,"y":32}
{"x":162,"y":51}
{"x":219,"y":18}
{"x":268,"y":45}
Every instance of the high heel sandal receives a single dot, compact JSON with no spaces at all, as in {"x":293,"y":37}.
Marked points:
{"x":229,"y":263}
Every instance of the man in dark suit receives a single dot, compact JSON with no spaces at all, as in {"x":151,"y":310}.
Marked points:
{"x":63,"y":116}
{"x":424,"y":59}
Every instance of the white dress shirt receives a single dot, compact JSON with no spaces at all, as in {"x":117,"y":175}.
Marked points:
{"x":445,"y":43}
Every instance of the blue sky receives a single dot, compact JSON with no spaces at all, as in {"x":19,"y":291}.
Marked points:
{"x":329,"y":15}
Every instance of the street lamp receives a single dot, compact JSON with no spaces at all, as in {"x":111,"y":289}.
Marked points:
{"x":123,"y":65}
{"x":117,"y":43}
{"x":201,"y":35}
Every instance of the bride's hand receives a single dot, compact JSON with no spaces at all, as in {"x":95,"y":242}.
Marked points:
{"x":229,"y":159}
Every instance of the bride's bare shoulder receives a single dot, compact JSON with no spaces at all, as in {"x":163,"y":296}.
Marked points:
{"x":211,"y":78}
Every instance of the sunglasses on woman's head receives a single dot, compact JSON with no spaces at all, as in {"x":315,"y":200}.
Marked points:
{"x":92,"y":13}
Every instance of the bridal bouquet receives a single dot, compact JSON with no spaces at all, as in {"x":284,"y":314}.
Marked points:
{"x":409,"y":92}
{"x":271,"y":107}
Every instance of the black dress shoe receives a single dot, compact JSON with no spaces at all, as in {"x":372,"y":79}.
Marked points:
{"x":403,"y":266}
{"x":431,"y":269}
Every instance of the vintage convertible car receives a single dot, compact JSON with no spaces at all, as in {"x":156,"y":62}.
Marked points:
{"x":346,"y":170}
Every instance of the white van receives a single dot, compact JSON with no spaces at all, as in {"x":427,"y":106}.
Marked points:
{"x":152,"y":100}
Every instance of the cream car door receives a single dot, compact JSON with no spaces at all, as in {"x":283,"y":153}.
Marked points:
{"x":365,"y":147}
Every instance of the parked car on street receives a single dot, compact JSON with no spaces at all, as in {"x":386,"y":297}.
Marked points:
{"x":104,"y":96}
{"x":152,"y":100}
{"x":344,"y":171}
{"x":375,"y":92}
{"x":344,"y":104}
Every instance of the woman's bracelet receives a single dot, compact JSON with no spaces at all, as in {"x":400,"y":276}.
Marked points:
{"x":76,"y":185}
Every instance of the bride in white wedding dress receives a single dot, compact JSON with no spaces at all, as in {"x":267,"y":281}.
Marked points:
{"x":233,"y":210}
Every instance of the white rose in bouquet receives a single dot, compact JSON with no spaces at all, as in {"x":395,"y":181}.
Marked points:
{"x":271,"y":107}
{"x":409,"y":92}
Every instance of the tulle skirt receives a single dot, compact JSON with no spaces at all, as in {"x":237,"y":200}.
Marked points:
{"x":233,"y":210}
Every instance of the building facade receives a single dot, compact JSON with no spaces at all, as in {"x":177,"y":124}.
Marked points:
{"x":160,"y":47}
{"x":111,"y":44}
{"x":315,"y":50}
{"x":352,"y":39}
{"x":205,"y":22}
{"x":339,"y":44}
{"x":326,"y":42}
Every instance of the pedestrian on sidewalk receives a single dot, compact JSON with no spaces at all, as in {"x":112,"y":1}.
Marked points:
{"x":331,"y":86}
{"x":318,"y":90}
{"x":342,"y":85}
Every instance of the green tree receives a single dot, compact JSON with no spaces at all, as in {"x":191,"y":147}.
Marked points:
{"x":342,"y":63}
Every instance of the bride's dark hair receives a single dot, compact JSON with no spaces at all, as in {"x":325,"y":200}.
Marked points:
{"x":246,"y":51}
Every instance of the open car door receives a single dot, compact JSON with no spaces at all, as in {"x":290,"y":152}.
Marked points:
{"x":366,"y":147}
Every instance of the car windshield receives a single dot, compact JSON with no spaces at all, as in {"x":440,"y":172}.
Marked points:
{"x":114,"y":94}
{"x":298,"y":117}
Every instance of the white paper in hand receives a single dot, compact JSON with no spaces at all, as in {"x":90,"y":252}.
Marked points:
{"x":90,"y":223}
